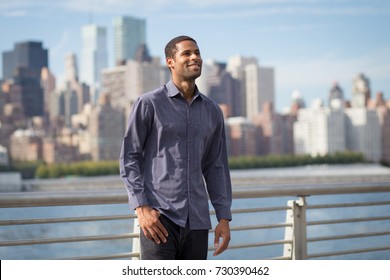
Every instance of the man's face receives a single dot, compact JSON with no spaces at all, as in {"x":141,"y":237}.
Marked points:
{"x":187,"y":62}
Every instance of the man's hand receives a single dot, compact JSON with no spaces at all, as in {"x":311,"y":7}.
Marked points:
{"x":221,"y":231}
{"x":148,"y":220}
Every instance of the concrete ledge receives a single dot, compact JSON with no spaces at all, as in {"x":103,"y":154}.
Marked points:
{"x":10,"y":182}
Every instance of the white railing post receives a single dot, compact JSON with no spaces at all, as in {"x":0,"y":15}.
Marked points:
{"x":296,"y":215}
{"x":136,"y":241}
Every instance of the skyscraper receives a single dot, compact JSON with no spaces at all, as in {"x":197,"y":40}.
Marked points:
{"x":220,"y":86}
{"x":93,"y":56}
{"x":320,"y":130}
{"x":105,"y":127}
{"x":236,"y":67}
{"x":256,"y":83}
{"x":383,"y":111}
{"x":259,"y":88}
{"x":129,"y":34}
{"x":71,"y":68}
{"x":363,"y":132}
{"x":73,"y":93}
{"x":48,"y":84}
{"x":26,"y":93}
{"x":30,"y":55}
{"x":242,"y":137}
{"x":22,"y":67}
{"x":125,"y":83}
{"x":360,"y":91}
{"x":335,"y":93}
{"x":271,"y":130}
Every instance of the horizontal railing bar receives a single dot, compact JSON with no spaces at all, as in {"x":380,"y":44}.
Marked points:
{"x":348,"y":252}
{"x":241,"y":228}
{"x":256,"y":244}
{"x":336,"y":237}
{"x":105,"y":257}
{"x":341,"y":205}
{"x":264,"y":209}
{"x":280,"y":258}
{"x":352,"y":220}
{"x":109,"y":218}
{"x":67,"y":239}
{"x":84,"y":219}
{"x":68,"y":198}
{"x":256,"y":210}
{"x":66,"y":220}
{"x":311,"y":190}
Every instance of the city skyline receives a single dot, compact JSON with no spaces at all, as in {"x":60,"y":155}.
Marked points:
{"x":309,"y":43}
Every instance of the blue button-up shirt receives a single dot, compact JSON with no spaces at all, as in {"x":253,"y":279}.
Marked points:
{"x":174,"y":157}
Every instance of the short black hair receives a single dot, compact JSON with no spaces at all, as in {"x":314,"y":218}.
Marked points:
{"x":170,"y":48}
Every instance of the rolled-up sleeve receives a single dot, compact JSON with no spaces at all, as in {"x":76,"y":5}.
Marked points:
{"x":132,"y":156}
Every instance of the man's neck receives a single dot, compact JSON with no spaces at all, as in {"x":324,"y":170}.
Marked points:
{"x":187,"y":88}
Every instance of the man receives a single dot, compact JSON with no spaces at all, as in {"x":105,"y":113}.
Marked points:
{"x":174,"y":146}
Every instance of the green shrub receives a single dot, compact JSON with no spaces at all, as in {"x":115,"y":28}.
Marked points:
{"x":248,"y":162}
{"x":91,"y":168}
{"x":83,"y":169}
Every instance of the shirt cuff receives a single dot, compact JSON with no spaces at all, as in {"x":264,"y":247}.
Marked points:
{"x":137,"y":200}
{"x":223,"y":214}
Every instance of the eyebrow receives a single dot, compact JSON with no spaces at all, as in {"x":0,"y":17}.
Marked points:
{"x":190,"y":50}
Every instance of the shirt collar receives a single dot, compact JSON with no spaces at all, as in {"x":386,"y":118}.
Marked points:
{"x":173,"y":91}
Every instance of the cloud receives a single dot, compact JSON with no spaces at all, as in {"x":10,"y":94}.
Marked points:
{"x":205,"y":9}
{"x":21,"y":8}
{"x":282,"y":28}
{"x":15,"y":8}
{"x":99,"y":6}
{"x":14,"y":13}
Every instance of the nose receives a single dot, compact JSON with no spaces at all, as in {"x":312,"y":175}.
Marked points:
{"x":196,"y":59}
{"x":195,"y":56}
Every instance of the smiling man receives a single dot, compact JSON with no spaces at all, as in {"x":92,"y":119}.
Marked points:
{"x":173,"y":159}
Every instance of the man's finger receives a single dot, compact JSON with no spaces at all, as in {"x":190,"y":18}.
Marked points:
{"x":146,"y":233}
{"x":220,"y":247}
{"x":154,"y":233}
{"x":161,"y":232}
{"x":154,"y":236}
{"x":161,"y":227}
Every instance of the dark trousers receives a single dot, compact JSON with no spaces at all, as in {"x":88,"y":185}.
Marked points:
{"x":182,"y":244}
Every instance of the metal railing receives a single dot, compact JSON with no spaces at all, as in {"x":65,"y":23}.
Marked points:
{"x":294,"y":225}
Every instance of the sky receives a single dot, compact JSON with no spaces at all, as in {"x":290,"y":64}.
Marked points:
{"x":310,"y":43}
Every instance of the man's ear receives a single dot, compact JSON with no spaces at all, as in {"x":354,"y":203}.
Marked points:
{"x":169,"y":62}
